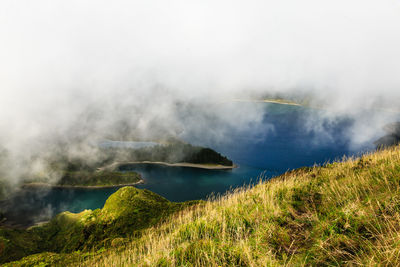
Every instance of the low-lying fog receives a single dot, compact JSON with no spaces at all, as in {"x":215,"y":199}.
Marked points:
{"x":77,"y":72}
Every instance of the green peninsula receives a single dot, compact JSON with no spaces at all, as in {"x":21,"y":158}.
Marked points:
{"x":107,"y":167}
{"x":174,"y":153}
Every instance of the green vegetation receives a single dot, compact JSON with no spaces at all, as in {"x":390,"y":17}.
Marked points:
{"x":344,"y":213}
{"x":99,"y":178}
{"x":88,"y":178}
{"x":125,"y":214}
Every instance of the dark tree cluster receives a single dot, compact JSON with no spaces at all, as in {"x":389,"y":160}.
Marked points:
{"x":174,"y":153}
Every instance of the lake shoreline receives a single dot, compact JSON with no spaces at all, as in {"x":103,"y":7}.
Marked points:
{"x":181,"y":164}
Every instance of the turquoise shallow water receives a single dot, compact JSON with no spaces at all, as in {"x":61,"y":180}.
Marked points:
{"x":287,"y":138}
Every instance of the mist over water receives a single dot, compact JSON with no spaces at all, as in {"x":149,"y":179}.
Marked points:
{"x":73,"y":72}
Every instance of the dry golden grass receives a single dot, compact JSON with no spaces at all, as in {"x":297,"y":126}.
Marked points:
{"x":345,"y":213}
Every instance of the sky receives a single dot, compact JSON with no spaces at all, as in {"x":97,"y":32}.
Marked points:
{"x":93,"y":70}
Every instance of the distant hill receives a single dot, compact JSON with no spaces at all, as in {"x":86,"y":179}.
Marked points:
{"x":391,"y":138}
{"x":171,"y":153}
{"x":342,"y":213}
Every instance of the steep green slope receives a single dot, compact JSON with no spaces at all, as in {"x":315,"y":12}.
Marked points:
{"x":344,"y":213}
{"x":125,"y":214}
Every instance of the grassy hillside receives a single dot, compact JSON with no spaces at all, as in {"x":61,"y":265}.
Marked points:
{"x":340,"y":214}
{"x":124,"y":215}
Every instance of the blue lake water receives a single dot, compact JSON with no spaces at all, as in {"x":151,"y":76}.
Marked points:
{"x":288,"y":137}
